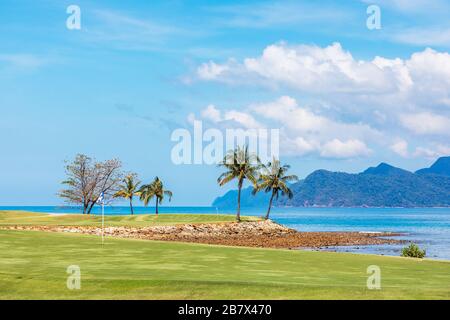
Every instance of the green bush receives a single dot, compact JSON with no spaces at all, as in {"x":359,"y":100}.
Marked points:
{"x":413,"y":251}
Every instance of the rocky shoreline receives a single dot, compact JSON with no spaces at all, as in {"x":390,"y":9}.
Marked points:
{"x":264,"y":234}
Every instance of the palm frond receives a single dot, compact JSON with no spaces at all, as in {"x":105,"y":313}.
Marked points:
{"x":273,"y":178}
{"x":169,"y":194}
{"x":291,"y":178}
{"x":226,"y":177}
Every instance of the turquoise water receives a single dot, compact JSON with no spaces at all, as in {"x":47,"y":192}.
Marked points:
{"x":428,"y":227}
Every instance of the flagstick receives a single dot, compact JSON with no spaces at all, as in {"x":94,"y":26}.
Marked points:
{"x":103,"y":220}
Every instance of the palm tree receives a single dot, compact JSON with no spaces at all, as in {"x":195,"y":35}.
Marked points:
{"x":146,"y":193}
{"x":240,"y":164}
{"x":274,"y":178}
{"x":160,"y":192}
{"x":128,"y":189}
{"x":154,"y":189}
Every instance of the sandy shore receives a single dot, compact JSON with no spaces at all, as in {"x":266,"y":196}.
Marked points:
{"x":249,"y":234}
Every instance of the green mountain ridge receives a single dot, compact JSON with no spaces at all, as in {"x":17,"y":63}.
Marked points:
{"x":381,"y":186}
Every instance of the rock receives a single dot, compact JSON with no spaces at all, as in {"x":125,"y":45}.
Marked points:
{"x":252,"y":234}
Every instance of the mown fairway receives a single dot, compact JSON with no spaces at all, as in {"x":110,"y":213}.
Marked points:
{"x":8,"y":218}
{"x":33,"y":266}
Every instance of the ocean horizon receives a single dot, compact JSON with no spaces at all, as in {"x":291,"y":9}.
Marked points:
{"x":428,"y":227}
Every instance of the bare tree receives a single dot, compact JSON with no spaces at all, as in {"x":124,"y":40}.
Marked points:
{"x":87,"y":179}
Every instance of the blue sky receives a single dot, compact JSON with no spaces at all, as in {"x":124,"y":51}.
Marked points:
{"x":344,"y":97}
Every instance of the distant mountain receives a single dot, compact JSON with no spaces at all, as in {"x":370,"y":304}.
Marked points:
{"x":381,"y":186}
{"x":441,"y":167}
{"x":228,"y":200}
{"x":385,"y":169}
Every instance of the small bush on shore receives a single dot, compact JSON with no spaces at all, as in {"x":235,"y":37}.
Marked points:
{"x":413,"y":251}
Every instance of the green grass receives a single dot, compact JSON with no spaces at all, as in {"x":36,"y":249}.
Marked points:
{"x":32,"y":218}
{"x":33,"y":266}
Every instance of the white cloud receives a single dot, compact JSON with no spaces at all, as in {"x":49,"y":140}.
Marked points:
{"x":211,"y":70}
{"x":242,"y":118}
{"x":433,"y":152}
{"x":400,"y":147}
{"x":303,"y":121}
{"x":426,"y":123}
{"x":332,"y":72}
{"x":212,"y":113}
{"x":377,"y":95}
{"x":286,"y":111}
{"x":191,"y":118}
{"x":302,"y":131}
{"x":430,"y":67}
{"x":352,"y":104}
{"x":344,"y":149}
{"x":301,"y":146}
{"x":314,"y":69}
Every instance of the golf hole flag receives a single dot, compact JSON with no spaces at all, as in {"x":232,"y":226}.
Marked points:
{"x":101,"y":198}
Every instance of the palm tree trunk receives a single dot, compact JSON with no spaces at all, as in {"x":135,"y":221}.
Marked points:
{"x":238,"y":213}
{"x":157,"y":205}
{"x":131,"y":205}
{"x":270,"y":205}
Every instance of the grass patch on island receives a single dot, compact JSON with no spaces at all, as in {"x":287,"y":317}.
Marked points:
{"x":9,"y":218}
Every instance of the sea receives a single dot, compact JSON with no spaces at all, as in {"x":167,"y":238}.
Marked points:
{"x":427,"y":227}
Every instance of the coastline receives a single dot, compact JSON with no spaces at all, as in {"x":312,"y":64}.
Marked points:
{"x":262,"y":234}
{"x":429,"y":228}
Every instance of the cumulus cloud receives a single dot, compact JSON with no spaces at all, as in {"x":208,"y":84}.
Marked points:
{"x":211,"y":70}
{"x":314,"y":69}
{"x":302,"y":131}
{"x":400,"y":147}
{"x":382,"y":93}
{"x":212,"y":113}
{"x":436,"y":150}
{"x":353,"y":105}
{"x":301,"y":146}
{"x":302,"y":120}
{"x":421,"y":81}
{"x":242,"y":118}
{"x":426,"y":123}
{"x":344,"y":149}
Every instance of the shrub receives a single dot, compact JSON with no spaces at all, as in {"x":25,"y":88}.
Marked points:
{"x":413,"y":251}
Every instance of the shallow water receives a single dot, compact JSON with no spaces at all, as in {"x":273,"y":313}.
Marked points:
{"x":428,"y":227}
